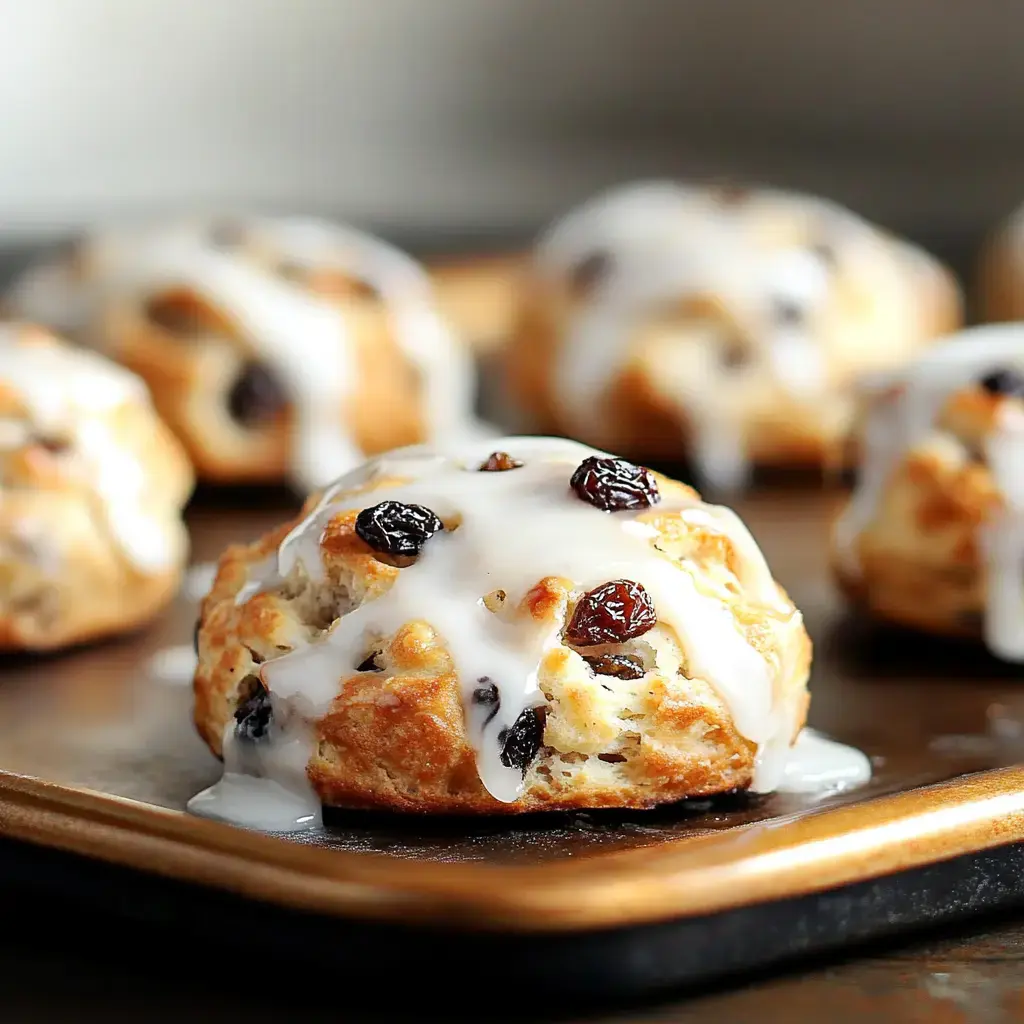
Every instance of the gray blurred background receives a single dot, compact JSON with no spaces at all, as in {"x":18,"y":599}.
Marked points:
{"x":475,"y":120}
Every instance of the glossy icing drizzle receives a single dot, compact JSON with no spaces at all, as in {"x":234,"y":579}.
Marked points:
{"x":514,"y":529}
{"x":301,"y":335}
{"x":905,"y":414}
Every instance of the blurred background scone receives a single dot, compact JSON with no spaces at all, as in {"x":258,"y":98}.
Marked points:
{"x":718,"y":322}
{"x":934,"y":534}
{"x":598,"y":636}
{"x":277,"y":349}
{"x":1000,"y":291}
{"x":91,"y":537}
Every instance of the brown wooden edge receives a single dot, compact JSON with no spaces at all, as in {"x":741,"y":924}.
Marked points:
{"x":781,"y":858}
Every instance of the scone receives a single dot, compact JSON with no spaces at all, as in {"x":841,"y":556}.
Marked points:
{"x":276,"y":349}
{"x":718,"y":323}
{"x":538,"y":626}
{"x":1000,"y":292}
{"x":91,"y":537}
{"x":934,"y":534}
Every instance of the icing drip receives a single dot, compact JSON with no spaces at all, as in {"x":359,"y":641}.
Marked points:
{"x":903,"y":416}
{"x":514,"y":529}
{"x":817,"y":764}
{"x":302,"y":336}
{"x":669,"y":243}
{"x":70,"y":394}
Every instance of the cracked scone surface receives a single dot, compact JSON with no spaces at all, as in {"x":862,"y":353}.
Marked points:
{"x":535,"y":652}
{"x":729,"y":325}
{"x":933,"y":537}
{"x":277,"y":349}
{"x":93,"y":484}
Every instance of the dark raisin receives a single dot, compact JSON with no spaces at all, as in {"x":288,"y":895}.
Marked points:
{"x":394,"y":528}
{"x":487,"y":696}
{"x":226,"y":234}
{"x":1008,"y":383}
{"x":255,"y":397}
{"x":734,"y":355}
{"x":499,"y":462}
{"x":825,"y":252}
{"x":622,"y":666}
{"x":729,"y":193}
{"x":590,"y":272}
{"x":611,"y":613}
{"x":290,"y":270}
{"x":519,"y":745}
{"x":195,"y":636}
{"x":369,"y":663}
{"x":614,"y":485}
{"x":253,"y":715}
{"x":787,"y":313}
{"x":54,"y":445}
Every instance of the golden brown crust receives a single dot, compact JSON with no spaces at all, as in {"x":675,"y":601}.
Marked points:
{"x":397,"y":739}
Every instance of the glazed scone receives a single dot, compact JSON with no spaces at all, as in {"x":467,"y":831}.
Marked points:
{"x":479,"y":296}
{"x":276,"y":349}
{"x":541,"y":626}
{"x":1000,"y":291}
{"x":91,"y":537}
{"x":722,"y":324}
{"x":934,"y":534}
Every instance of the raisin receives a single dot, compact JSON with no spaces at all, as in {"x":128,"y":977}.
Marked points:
{"x":519,"y":745}
{"x":825,"y":252}
{"x":614,"y":485}
{"x":734,"y":355}
{"x":256,"y":396}
{"x":369,"y":663}
{"x":54,"y":445}
{"x":611,"y":613}
{"x":487,"y":696}
{"x":499,"y":462}
{"x":787,"y":313}
{"x":226,"y":234}
{"x":622,"y":666}
{"x":1008,"y":383}
{"x":730,"y":193}
{"x":589,"y":273}
{"x":253,"y":715}
{"x":394,"y":528}
{"x":292,"y":271}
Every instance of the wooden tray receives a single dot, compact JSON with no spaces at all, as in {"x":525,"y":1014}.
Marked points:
{"x":99,"y":758}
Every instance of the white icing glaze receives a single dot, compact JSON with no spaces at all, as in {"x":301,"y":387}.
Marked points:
{"x":903,"y":415}
{"x":514,"y":529}
{"x":302,"y":336}
{"x":69,"y":394}
{"x":817,"y":764}
{"x":669,"y":243}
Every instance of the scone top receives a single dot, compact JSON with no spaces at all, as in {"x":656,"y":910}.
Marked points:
{"x":945,"y":438}
{"x":279,"y":299}
{"x":71,"y":420}
{"x":736,"y":307}
{"x":525,"y":556}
